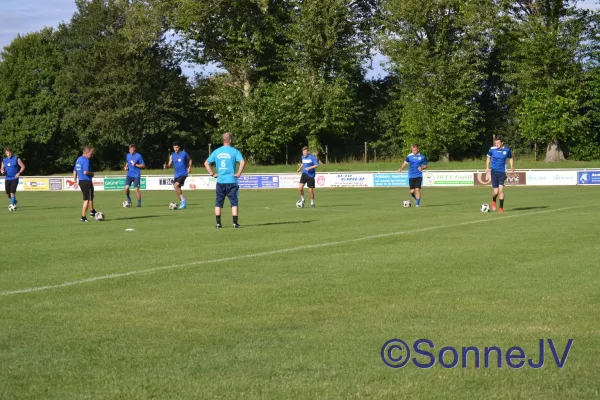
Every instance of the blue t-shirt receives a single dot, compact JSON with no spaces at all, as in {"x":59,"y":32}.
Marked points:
{"x":414,"y":162}
{"x":309,"y":161}
{"x":132,"y":170}
{"x":11,"y":167}
{"x":180,"y":163}
{"x":225,"y":158}
{"x":499,"y":156}
{"x":82,"y":164}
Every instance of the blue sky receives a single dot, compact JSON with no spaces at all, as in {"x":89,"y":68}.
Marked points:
{"x":23,"y":16}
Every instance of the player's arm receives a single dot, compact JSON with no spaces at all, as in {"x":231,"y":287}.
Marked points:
{"x":404,"y":164}
{"x":126,"y":166}
{"x":422,"y":167}
{"x":512,"y":165}
{"x":22,"y":167}
{"x":189,"y":164}
{"x":299,"y":167}
{"x":170,"y":161}
{"x":208,"y":168}
{"x":141,"y":164}
{"x":240,"y":168}
{"x":2,"y":168}
{"x":316,"y":165}
{"x":86,"y":168}
{"x":487,"y":164}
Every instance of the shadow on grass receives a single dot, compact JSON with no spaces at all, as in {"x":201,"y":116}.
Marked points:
{"x":526,"y":208}
{"x":338,"y":205}
{"x":281,"y":223}
{"x":138,"y":217}
{"x":441,"y":205}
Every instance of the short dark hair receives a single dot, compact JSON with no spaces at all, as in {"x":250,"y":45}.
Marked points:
{"x":500,"y":138}
{"x":177,"y":143}
{"x":414,"y":145}
{"x":305,"y":148}
{"x":8,"y":149}
{"x":132,"y":145}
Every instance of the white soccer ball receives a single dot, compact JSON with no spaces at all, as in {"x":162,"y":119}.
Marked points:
{"x":12,"y":207}
{"x":485,"y":208}
{"x":172,"y":206}
{"x":406,"y":203}
{"x":99,"y":216}
{"x":126,"y":204}
{"x":299,"y":204}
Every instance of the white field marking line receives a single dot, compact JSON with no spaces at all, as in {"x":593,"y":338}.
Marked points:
{"x":272,"y":252}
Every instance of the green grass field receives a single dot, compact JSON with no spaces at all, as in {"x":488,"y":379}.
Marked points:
{"x":298,"y":303}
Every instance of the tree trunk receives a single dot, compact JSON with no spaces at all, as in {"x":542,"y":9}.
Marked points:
{"x":554,"y":152}
{"x":444,"y":156}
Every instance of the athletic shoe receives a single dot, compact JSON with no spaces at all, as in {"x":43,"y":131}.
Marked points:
{"x":219,"y":226}
{"x":83,"y":220}
{"x":236,"y":225}
{"x":493,"y":206}
{"x":182,"y":205}
{"x":416,"y":205}
{"x":312,"y":205}
{"x":501,"y":210}
{"x":139,"y":205}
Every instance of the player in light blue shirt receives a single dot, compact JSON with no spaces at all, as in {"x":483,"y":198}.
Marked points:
{"x":13,"y":167}
{"x":225,"y":158}
{"x":417,"y":162}
{"x":308,"y":167}
{"x":133,"y":166}
{"x":497,"y":157}
{"x":182,"y":163}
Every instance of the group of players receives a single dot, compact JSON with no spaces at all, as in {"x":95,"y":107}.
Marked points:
{"x":225,"y":159}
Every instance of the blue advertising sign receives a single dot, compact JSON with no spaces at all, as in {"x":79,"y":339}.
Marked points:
{"x":588,"y":178}
{"x":390,"y":180}
{"x":258,"y":182}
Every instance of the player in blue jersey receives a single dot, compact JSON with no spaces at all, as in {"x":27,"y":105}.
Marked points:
{"x":82,"y":171}
{"x":12,"y":167}
{"x":133,"y":166}
{"x":417,"y":162}
{"x":225,"y":158}
{"x":309,"y":171}
{"x":182,"y":163}
{"x":497,"y":156}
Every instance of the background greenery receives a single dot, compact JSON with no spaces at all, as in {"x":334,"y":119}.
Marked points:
{"x":460,"y":72}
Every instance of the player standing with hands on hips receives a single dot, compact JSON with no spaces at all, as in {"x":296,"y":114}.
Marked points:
{"x":83,"y":172}
{"x":182,"y":163}
{"x":13,"y":167}
{"x":308,"y":168}
{"x":498,"y":156}
{"x":417,"y":163}
{"x":225,"y":158}
{"x":134,"y":164}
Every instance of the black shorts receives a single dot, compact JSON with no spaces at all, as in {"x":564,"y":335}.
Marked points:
{"x":308,"y":181}
{"x":498,"y":179}
{"x":11,"y":186}
{"x":180,"y":180}
{"x":415,"y":183}
{"x":87,"y":188}
{"x":229,"y":190}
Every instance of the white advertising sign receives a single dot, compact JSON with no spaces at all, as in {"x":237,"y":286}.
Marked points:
{"x":551,"y":178}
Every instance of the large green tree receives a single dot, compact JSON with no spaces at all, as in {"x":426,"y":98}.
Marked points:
{"x":439,"y":50}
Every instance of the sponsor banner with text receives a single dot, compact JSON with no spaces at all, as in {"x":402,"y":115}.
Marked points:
{"x":201,"y":182}
{"x":448,"y":179}
{"x":290,"y":181}
{"x":19,"y":187}
{"x":588,"y":178}
{"x":512,"y":178}
{"x":36,"y":184}
{"x":551,"y":178}
{"x":258,"y":182}
{"x":55,"y":183}
{"x":117,"y":184}
{"x":345,"y":180}
{"x":396,"y":180}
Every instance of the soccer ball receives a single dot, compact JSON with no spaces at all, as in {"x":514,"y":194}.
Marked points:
{"x":172,"y":206}
{"x":485,"y":208}
{"x":99,"y":216}
{"x":406,"y":203}
{"x":126,"y":204}
{"x":299,"y":204}
{"x":12,"y":207}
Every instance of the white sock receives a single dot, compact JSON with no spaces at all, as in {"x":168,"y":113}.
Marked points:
{"x":312,"y":201}
{"x":302,"y":198}
{"x":182,"y":198}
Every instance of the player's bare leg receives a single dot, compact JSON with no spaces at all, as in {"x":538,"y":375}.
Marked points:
{"x":301,"y":190}
{"x":501,"y":196}
{"x":311,"y":192}
{"x":494,"y":197}
{"x":127,"y":194}
{"x":138,"y":194}
{"x":84,"y":208}
{"x":417,"y":197}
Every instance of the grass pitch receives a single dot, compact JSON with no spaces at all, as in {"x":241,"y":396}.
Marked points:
{"x":297,"y":303}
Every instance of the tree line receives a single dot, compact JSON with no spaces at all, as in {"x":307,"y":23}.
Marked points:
{"x":459,"y":72}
